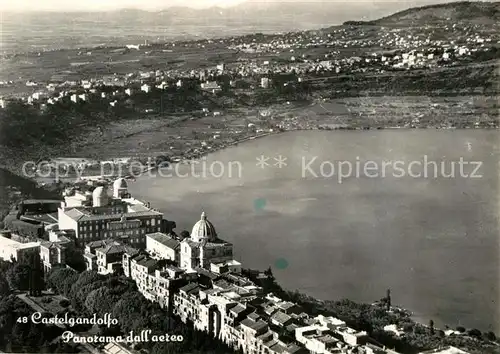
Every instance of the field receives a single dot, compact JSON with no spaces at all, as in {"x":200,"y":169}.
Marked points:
{"x":149,"y":137}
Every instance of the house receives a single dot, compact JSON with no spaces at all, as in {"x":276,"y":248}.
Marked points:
{"x":398,"y":331}
{"x":52,"y":253}
{"x":13,"y":250}
{"x":210,"y":86}
{"x":163,"y":246}
{"x":281,"y":319}
{"x":146,"y":88}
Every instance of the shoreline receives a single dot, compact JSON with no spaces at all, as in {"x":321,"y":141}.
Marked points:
{"x":200,"y":156}
{"x":49,"y":180}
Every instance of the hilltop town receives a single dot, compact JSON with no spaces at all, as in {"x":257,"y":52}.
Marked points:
{"x":113,"y":238}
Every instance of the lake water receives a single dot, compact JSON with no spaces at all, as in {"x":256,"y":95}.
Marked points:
{"x":433,"y":241}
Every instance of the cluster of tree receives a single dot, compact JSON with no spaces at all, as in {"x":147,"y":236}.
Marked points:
{"x":16,"y":334}
{"x":24,"y":275}
{"x":23,"y":228}
{"x":373,"y":318}
{"x":91,"y":293}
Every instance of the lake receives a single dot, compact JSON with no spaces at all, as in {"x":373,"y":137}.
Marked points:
{"x":432,"y":239}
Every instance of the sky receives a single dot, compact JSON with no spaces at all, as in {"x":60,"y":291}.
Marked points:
{"x":107,"y":5}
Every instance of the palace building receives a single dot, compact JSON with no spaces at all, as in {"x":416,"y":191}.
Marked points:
{"x":118,"y":216}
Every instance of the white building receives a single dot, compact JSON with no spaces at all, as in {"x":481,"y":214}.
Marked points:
{"x":162,"y":246}
{"x":13,"y":250}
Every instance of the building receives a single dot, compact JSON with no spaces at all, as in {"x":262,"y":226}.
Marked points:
{"x":11,"y":250}
{"x":106,"y":256}
{"x":52,"y":253}
{"x":162,"y":246}
{"x":211,"y":86}
{"x":264,"y":82}
{"x":126,"y":220}
{"x":109,"y":257}
{"x":203,"y":247}
{"x":156,"y":283}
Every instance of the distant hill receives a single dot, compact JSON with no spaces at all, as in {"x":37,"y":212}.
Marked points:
{"x":31,"y":31}
{"x":468,"y":11}
{"x":268,"y":16}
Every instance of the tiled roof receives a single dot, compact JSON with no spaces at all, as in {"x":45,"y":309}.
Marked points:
{"x":239,"y":308}
{"x":164,"y":240}
{"x":285,"y":305}
{"x":207,"y":273}
{"x":266,"y":337}
{"x":255,"y":325}
{"x":40,"y":201}
{"x":223,"y":284}
{"x":293,"y":348}
{"x":97,"y":244}
{"x":190,"y":288}
{"x":48,"y":244}
{"x":278,"y":348}
{"x":253,"y":316}
{"x":79,"y":215}
{"x":147,"y":262}
{"x":112,"y":248}
{"x":281,"y":317}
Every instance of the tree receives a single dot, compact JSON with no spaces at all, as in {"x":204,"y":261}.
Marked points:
{"x":36,"y":275}
{"x":388,"y":299}
{"x":18,"y":276}
{"x":61,"y":279}
{"x":431,"y":326}
{"x":184,"y":234}
{"x":474,"y":333}
{"x":99,"y":301}
{"x":269,"y":272}
{"x":4,"y":286}
{"x":460,"y":329}
{"x":75,"y":259}
{"x":490,"y":336}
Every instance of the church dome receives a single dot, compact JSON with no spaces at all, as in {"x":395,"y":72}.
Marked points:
{"x":120,"y":183}
{"x":99,"y":196}
{"x":203,"y":230}
{"x":99,"y":192}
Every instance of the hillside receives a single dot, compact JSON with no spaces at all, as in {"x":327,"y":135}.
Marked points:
{"x":476,"y":12}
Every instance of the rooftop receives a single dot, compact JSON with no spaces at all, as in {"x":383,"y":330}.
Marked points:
{"x":255,"y":325}
{"x":190,"y":288}
{"x":165,"y":240}
{"x":81,"y":215}
{"x":7,"y":242}
{"x":281,"y":317}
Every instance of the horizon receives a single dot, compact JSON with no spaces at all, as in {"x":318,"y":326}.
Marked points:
{"x":58,"y":6}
